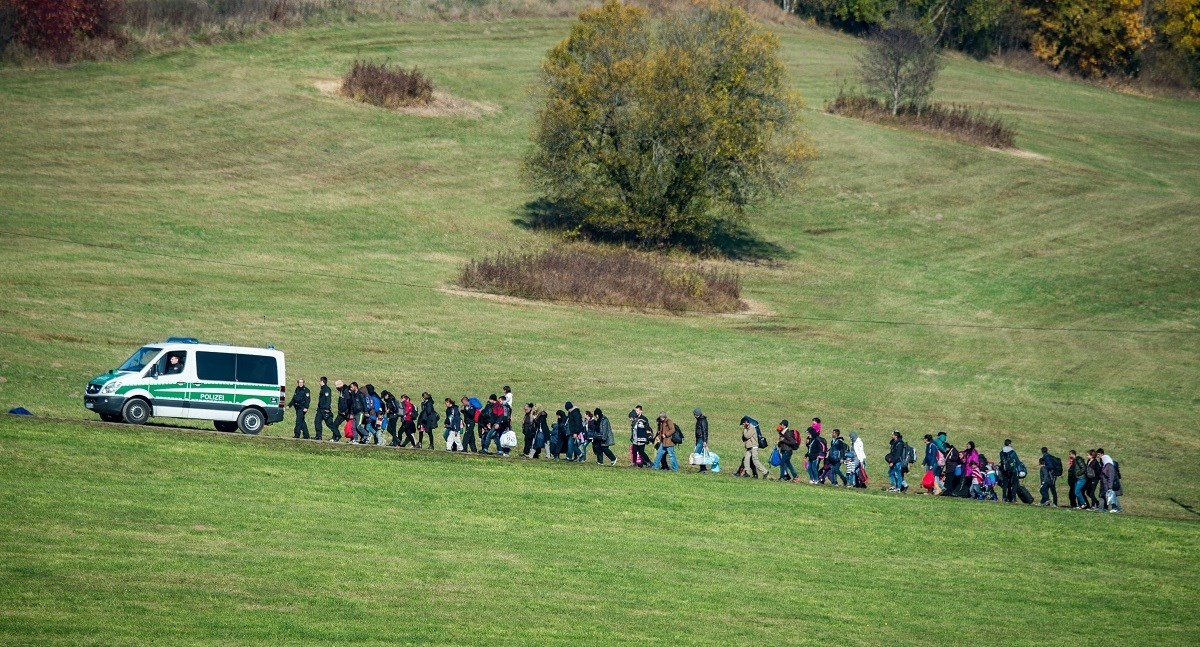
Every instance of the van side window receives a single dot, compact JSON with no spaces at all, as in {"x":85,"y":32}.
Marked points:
{"x":257,"y":369}
{"x":172,"y":363}
{"x":215,"y":367}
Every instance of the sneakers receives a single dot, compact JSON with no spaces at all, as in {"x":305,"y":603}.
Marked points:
{"x":614,"y":463}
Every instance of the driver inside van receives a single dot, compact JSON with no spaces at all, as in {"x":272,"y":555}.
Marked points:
{"x":174,"y":364}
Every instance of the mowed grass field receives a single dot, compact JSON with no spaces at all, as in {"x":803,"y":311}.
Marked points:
{"x":222,"y":195}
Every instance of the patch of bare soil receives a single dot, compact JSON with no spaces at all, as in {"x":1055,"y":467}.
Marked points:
{"x":1023,"y":154}
{"x":443,"y":104}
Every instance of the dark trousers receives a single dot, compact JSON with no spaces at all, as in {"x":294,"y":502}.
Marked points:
{"x":1089,"y":492}
{"x":528,"y":444}
{"x":949,"y":482}
{"x":325,"y":416}
{"x":468,"y":443}
{"x":392,"y":422}
{"x":338,"y":423}
{"x":602,"y":450}
{"x":301,"y":424}
{"x":421,"y":437}
{"x":1071,"y":492}
{"x":640,"y":450}
{"x":406,"y":429}
{"x":1050,"y":488}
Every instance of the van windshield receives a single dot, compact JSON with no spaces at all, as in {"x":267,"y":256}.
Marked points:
{"x":140,"y":359}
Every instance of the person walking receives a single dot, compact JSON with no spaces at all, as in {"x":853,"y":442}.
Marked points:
{"x":833,"y":459}
{"x":1092,"y":480}
{"x":574,"y":430}
{"x":1076,"y":478}
{"x":558,"y":435}
{"x":541,"y":434}
{"x":344,"y":413}
{"x":930,"y":463}
{"x":589,"y":434}
{"x":895,"y":460}
{"x":815,"y":451}
{"x":528,"y":430}
{"x":357,"y":409}
{"x":750,"y":460}
{"x":666,"y":442}
{"x":1009,"y":471}
{"x":639,"y":437}
{"x":860,"y":456}
{"x":390,"y":415}
{"x":789,"y":442}
{"x":1050,"y":479}
{"x":427,"y":421}
{"x":701,"y":435}
{"x":469,"y":413}
{"x":1110,"y":482}
{"x":324,"y":409}
{"x":603,"y":439}
{"x":408,"y":421}
{"x":454,"y":426}
{"x":300,"y":401}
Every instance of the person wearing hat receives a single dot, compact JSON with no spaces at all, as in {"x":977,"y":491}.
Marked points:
{"x":701,"y":435}
{"x":789,"y":442}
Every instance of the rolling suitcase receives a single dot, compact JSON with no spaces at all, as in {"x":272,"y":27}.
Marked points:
{"x":1023,"y":494}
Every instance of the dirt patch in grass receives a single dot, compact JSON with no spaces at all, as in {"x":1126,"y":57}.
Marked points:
{"x":1023,"y":154}
{"x":442,"y":105}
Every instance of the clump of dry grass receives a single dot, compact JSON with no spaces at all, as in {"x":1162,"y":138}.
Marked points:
{"x":610,"y":277}
{"x":960,"y":122}
{"x":386,"y":86}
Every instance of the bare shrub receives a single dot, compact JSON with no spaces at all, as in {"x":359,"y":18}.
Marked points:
{"x":958,"y":121}
{"x":611,"y":277}
{"x":389,"y":87}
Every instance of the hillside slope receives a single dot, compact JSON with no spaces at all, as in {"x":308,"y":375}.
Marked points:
{"x":227,"y":198}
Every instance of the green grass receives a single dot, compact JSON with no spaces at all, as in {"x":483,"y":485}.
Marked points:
{"x":139,"y":535}
{"x":254,"y":197}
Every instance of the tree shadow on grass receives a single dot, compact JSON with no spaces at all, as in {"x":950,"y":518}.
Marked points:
{"x":730,"y":240}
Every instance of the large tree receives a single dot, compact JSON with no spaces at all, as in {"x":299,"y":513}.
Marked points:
{"x":655,"y":130}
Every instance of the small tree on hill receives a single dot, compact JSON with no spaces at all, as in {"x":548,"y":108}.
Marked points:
{"x":900,"y":64}
{"x":656,"y":130}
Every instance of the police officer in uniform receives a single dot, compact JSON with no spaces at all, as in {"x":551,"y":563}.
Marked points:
{"x":325,"y":408}
{"x":300,"y":401}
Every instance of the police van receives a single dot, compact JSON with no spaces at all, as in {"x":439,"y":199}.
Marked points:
{"x":235,"y":387}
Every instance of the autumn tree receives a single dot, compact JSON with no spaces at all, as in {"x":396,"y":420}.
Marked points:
{"x":1094,"y":37}
{"x":900,"y":63}
{"x":655,"y":130}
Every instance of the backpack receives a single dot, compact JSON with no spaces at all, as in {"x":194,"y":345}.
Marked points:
{"x":910,"y":456}
{"x":677,"y":437}
{"x":1021,"y":471}
{"x":1054,"y":465}
{"x":497,"y":410}
{"x":837,"y":451}
{"x":796,"y":439}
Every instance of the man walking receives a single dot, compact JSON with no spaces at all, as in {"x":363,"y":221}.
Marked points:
{"x":750,"y":460}
{"x":324,"y":408}
{"x":574,"y":431}
{"x":666,"y":444}
{"x":837,"y":453}
{"x":701,"y":435}
{"x":789,"y":442}
{"x":639,"y":435}
{"x":300,"y":401}
{"x":344,"y":411}
{"x":428,"y":420}
{"x":1050,"y":480}
{"x":603,"y":439}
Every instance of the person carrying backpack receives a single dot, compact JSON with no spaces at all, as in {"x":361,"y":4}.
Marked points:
{"x":603,"y":439}
{"x":897,"y":460}
{"x":838,"y":449}
{"x":789,"y":442}
{"x":1009,"y":471}
{"x":666,"y":442}
{"x":1076,"y":478}
{"x":469,"y":414}
{"x":750,"y":460}
{"x":1049,"y":484}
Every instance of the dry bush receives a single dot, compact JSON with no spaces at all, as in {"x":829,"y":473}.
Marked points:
{"x":764,"y":10}
{"x":610,"y":277}
{"x":389,"y":87}
{"x":961,"y":122}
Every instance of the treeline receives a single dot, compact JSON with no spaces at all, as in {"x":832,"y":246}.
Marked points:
{"x":1157,"y":41}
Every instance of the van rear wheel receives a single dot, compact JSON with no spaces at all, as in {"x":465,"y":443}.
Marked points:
{"x":251,"y":421}
{"x":136,"y":411}
{"x":225,"y":426}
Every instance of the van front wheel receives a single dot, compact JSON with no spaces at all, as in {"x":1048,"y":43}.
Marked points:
{"x":251,"y":421}
{"x":136,"y":411}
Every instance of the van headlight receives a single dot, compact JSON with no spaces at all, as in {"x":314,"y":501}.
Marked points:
{"x":109,"y":388}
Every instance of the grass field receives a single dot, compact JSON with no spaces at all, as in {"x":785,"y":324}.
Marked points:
{"x":225,"y":197}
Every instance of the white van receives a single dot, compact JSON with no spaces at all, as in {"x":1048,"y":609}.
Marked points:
{"x":235,"y":387}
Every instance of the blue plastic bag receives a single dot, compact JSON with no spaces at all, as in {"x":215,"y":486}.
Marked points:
{"x":776,"y":459}
{"x":715,"y":465}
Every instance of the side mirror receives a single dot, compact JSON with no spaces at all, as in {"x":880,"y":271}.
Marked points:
{"x":153,"y":371}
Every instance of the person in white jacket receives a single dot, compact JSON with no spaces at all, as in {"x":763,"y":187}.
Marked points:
{"x":859,"y":451}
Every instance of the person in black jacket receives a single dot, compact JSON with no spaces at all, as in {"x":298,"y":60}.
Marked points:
{"x":391,"y":413}
{"x":468,"y":416}
{"x":300,"y":401}
{"x":357,"y":409}
{"x":344,"y":413}
{"x":325,"y":408}
{"x":789,"y":442}
{"x":574,"y":428}
{"x":701,"y":435}
{"x":428,"y":420}
{"x":528,"y":430}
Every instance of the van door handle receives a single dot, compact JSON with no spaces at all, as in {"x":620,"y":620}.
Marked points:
{"x":195,"y":385}
{"x":181,"y":384}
